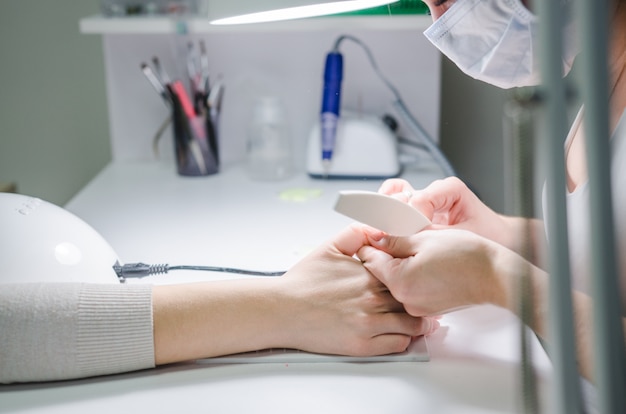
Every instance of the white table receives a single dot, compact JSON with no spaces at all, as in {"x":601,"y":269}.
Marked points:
{"x":149,"y":214}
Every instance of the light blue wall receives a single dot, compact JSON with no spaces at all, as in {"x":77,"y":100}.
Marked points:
{"x":53,"y":115}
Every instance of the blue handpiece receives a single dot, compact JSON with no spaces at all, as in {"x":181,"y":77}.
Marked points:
{"x":333,"y":73}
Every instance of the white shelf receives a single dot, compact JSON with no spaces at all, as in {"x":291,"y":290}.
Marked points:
{"x":163,"y":25}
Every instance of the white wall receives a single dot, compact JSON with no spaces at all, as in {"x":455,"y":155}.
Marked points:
{"x":288,"y":64}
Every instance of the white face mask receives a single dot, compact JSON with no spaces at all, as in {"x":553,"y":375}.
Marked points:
{"x":497,"y":41}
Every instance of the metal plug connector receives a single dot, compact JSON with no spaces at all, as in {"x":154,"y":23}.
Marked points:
{"x":137,"y":270}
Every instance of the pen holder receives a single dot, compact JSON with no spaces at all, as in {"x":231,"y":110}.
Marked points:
{"x":195,"y":143}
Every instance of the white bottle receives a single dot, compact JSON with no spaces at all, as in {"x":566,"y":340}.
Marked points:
{"x":269,"y":152}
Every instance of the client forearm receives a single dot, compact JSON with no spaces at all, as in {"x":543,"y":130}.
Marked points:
{"x":209,"y":319}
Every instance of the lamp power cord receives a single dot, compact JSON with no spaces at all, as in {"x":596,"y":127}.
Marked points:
{"x":139,"y":270}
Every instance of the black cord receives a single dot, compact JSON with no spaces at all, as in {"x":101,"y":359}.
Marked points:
{"x":137,"y":270}
{"x":402,"y":109}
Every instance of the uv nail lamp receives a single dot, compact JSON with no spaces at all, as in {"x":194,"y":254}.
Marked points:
{"x":365,"y":148}
{"x":42,"y":242}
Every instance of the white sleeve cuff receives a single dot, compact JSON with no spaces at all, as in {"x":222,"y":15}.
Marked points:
{"x":57,"y":331}
{"x":114,"y":329}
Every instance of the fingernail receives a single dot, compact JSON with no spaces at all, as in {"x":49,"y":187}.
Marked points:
{"x":434,"y":325}
{"x":377,"y":238}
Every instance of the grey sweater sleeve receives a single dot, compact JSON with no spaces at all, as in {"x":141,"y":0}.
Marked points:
{"x":55,"y":331}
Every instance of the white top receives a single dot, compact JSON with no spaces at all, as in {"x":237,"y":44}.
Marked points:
{"x":578,"y":214}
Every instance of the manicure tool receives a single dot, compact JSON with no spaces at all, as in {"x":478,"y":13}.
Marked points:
{"x":382,"y":212}
{"x":204,"y":68}
{"x":331,"y":102}
{"x":156,"y":83}
{"x":161,"y":72}
{"x":197,"y":70}
{"x":191,"y":120}
{"x":214,"y":104}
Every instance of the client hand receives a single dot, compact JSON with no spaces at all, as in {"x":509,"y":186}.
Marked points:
{"x":338,"y":307}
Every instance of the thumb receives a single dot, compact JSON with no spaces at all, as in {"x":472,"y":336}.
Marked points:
{"x":377,"y":262}
{"x":399,"y":247}
{"x":352,"y":238}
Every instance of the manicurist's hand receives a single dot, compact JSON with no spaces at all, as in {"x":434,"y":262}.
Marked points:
{"x":449,"y":203}
{"x":433,"y":272}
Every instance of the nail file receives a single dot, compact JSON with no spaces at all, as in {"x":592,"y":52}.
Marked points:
{"x":381,"y":211}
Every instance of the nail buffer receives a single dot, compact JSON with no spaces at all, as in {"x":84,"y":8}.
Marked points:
{"x":381,"y":211}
